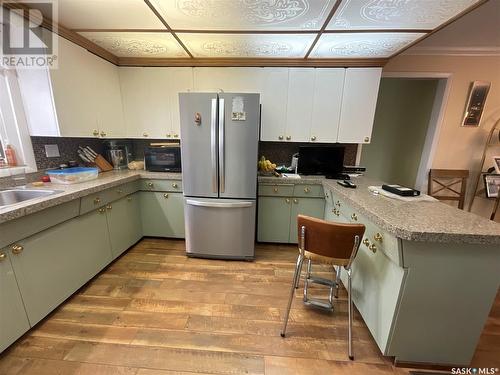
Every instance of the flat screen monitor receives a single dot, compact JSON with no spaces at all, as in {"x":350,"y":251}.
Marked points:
{"x":321,"y":160}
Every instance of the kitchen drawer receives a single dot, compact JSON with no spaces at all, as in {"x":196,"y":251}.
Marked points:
{"x":285,"y":190}
{"x":101,"y":198}
{"x":161,"y":185}
{"x":308,"y":191}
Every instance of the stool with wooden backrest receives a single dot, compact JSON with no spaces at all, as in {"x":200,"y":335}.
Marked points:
{"x":446,"y":179}
{"x":334,"y":244}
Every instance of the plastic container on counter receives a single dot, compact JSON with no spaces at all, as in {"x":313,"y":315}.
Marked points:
{"x":72,"y":175}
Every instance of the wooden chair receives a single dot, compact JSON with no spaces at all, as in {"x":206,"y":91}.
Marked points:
{"x":446,"y":179}
{"x":334,"y":244}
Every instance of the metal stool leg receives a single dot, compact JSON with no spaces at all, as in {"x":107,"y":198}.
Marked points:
{"x":337,"y":281}
{"x":306,"y":281}
{"x":296,"y":276}
{"x":349,"y":291}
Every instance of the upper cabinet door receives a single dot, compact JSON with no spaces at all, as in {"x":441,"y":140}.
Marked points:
{"x":327,"y":101}
{"x":299,"y":104}
{"x":74,"y":90}
{"x":230,"y":80}
{"x":358,"y":104}
{"x":274,"y":92}
{"x":181,"y":80}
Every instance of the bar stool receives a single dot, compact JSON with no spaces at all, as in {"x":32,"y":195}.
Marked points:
{"x":330,"y":243}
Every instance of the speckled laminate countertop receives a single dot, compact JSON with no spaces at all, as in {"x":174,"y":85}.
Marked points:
{"x":416,"y":221}
{"x":70,"y":192}
{"x":303,"y":180}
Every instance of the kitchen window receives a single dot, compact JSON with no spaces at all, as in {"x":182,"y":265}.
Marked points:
{"x":13,"y":125}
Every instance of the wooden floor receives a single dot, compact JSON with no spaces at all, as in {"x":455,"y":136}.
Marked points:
{"x":156,"y":312}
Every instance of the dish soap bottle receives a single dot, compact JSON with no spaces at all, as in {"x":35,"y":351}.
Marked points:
{"x":10,"y":155}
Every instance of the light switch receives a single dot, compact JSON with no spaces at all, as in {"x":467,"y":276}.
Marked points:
{"x":52,"y":151}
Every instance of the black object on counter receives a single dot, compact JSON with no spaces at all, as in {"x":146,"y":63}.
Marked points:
{"x":401,"y":190}
{"x":347,"y":184}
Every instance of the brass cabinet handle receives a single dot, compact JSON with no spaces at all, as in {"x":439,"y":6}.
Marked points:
{"x":165,"y":195}
{"x":313,"y":138}
{"x":175,"y":186}
{"x":295,"y":201}
{"x":150,"y":184}
{"x":109,"y":207}
{"x":326,"y":195}
{"x":144,"y":134}
{"x":366,"y":242}
{"x":169,"y":135}
{"x":367,"y":139}
{"x":101,"y":210}
{"x":288,"y":137}
{"x":287,"y":200}
{"x":3,"y":256}
{"x":336,"y":212}
{"x":378,"y":237}
{"x":17,"y":249}
{"x":103,"y":134}
{"x":354,"y":217}
{"x":373,"y":248}
{"x":307,"y":190}
{"x":95,"y":133}
{"x":176,"y":135}
{"x":280,"y":137}
{"x":97,"y":200}
{"x":119,"y":191}
{"x":275,"y":189}
{"x":337,"y":203}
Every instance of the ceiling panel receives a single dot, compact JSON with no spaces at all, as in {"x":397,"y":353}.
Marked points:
{"x":244,"y":14}
{"x":137,"y":44}
{"x":247,"y":45}
{"x":106,"y":14}
{"x":361,"y":45}
{"x":395,"y":14}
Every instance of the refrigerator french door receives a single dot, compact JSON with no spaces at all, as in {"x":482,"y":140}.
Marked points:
{"x":219,"y":145}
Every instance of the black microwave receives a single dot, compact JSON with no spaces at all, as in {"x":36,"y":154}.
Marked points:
{"x":163,"y":158}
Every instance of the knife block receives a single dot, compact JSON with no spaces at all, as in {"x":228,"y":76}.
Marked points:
{"x":102,"y":163}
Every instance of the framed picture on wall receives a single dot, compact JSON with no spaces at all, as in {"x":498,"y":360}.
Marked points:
{"x":492,"y":184}
{"x":475,"y":103}
{"x":496,"y":163}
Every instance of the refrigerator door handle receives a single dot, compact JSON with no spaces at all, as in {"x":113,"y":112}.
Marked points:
{"x":222,"y":173}
{"x":213,"y":144}
{"x":198,"y":203}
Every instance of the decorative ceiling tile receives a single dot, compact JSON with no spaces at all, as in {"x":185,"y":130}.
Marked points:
{"x":395,"y":14}
{"x":362,"y":45}
{"x":244,"y":14}
{"x":106,"y":14}
{"x":137,"y":44}
{"x":247,"y":45}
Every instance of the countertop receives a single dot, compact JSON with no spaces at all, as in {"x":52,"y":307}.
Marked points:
{"x":303,"y":180}
{"x":71,"y":192}
{"x":416,"y":221}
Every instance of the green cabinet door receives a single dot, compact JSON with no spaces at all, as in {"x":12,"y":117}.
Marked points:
{"x":273,"y":220}
{"x":51,"y":265}
{"x":124,"y":223}
{"x":162,"y":214}
{"x":13,"y":319}
{"x":314,"y":207}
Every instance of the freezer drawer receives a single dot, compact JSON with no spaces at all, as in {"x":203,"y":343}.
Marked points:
{"x":220,"y":228}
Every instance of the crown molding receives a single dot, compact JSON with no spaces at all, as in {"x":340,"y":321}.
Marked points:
{"x":454,"y":51}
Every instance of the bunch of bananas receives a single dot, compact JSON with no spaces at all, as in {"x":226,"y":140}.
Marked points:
{"x":265,"y":165}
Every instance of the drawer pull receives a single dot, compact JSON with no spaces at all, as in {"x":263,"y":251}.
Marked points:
{"x":295,"y":201}
{"x":275,"y":189}
{"x":287,"y":200}
{"x":373,"y":248}
{"x":378,"y":237}
{"x":150,"y":184}
{"x":280,"y":137}
{"x":366,"y":242}
{"x":307,"y":190}
{"x":3,"y":256}
{"x":165,"y":195}
{"x":97,"y":200}
{"x":175,"y":186}
{"x":102,"y":210}
{"x":17,"y":249}
{"x":109,"y":207}
{"x":288,"y":137}
{"x":354,"y":217}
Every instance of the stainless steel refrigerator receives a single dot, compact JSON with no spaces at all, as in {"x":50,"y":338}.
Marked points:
{"x":219,"y":145}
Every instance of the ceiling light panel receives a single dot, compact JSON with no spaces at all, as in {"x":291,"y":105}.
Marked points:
{"x":362,"y":45}
{"x":107,"y":14}
{"x":244,"y":14}
{"x":247,"y":45}
{"x":395,"y":14}
{"x":137,"y":44}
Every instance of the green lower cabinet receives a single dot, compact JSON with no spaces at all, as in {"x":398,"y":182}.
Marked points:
{"x":124,"y":223}
{"x":162,"y":214}
{"x":53,"y":264}
{"x":273,"y":222}
{"x":314,"y":207}
{"x":13,"y":319}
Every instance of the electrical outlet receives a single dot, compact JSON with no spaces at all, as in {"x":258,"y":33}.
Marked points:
{"x":52,"y":151}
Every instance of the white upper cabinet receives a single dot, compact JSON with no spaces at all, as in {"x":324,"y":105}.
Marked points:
{"x":358,"y":104}
{"x":327,"y":101}
{"x":299,"y":104}
{"x":181,"y":80}
{"x":274,"y":96}
{"x":228,"y":79}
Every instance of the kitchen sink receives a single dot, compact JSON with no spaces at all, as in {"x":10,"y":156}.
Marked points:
{"x":13,"y":196}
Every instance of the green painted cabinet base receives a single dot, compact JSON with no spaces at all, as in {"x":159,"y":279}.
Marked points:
{"x":53,"y":264}
{"x":13,"y":319}
{"x":162,"y":214}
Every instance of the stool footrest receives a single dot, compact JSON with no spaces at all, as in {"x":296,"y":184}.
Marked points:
{"x":319,"y":303}
{"x":322,"y":281}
